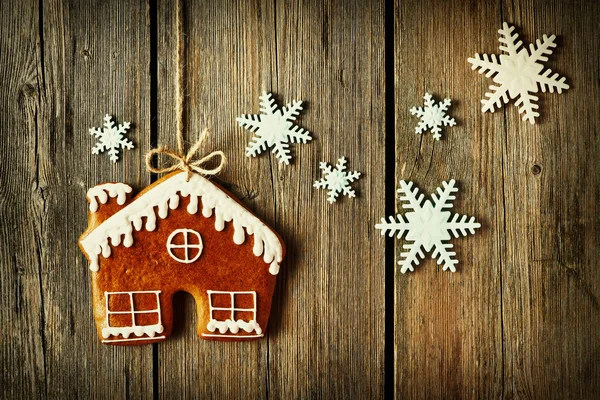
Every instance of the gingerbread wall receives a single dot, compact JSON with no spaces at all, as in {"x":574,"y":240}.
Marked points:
{"x":147,"y":266}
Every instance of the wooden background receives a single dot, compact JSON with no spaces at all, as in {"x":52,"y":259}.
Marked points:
{"x":521,"y":317}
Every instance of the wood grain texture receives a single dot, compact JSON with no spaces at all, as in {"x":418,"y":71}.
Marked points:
{"x":69,"y":65}
{"x":234,"y":52}
{"x":226,"y":51}
{"x":328,"y":335}
{"x":448,"y":331}
{"x":550,"y":275}
{"x":22,"y":204}
{"x":518,"y":320}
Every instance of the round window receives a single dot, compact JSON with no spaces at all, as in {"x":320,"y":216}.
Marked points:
{"x":184,"y":245}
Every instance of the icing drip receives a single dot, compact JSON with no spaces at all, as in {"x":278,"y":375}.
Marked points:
{"x":193,"y":206}
{"x":238,"y":233}
{"x":102,"y":192}
{"x":119,"y":227}
{"x":149,"y":330}
{"x":233,"y":326}
{"x":174,"y":202}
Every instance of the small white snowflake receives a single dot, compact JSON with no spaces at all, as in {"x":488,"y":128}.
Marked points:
{"x":428,"y":226}
{"x":337,"y":180}
{"x":274,"y":128}
{"x":433,"y":116}
{"x":110,"y":138}
{"x":518,"y":73}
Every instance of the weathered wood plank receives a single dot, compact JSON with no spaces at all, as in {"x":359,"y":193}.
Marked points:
{"x":94,"y":58}
{"x":235,"y":65}
{"x":327,"y":332}
{"x":520,"y":317}
{"x":551,"y":280}
{"x":72,"y":64}
{"x":22,"y":203}
{"x":228,"y":53}
{"x":448,"y":332}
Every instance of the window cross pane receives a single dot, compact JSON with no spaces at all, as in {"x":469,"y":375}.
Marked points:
{"x":192,"y":245}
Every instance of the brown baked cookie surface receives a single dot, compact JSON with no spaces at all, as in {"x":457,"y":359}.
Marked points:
{"x":178,"y":235}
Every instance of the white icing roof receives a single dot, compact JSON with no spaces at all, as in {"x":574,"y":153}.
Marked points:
{"x":102,"y":192}
{"x":165,"y":195}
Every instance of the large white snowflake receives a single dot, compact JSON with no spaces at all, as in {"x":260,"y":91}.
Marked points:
{"x":428,"y":226}
{"x":111,"y":138}
{"x":433,"y":116}
{"x":274,"y":128}
{"x":337,"y":180}
{"x":518,"y":73}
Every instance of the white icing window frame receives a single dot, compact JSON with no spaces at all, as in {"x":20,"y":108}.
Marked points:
{"x":232,"y":309}
{"x":185,"y":245}
{"x":230,"y":323}
{"x":138,"y":330}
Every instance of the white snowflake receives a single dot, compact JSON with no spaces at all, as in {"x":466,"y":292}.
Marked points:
{"x":428,"y":226}
{"x":110,"y":138}
{"x":433,"y":116}
{"x":518,"y":73}
{"x":274,"y":128}
{"x":337,"y":180}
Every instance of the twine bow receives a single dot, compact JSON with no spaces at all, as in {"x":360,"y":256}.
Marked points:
{"x":185,"y":161}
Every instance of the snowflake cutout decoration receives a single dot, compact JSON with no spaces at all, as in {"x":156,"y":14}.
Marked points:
{"x":337,"y":180}
{"x":433,"y":116}
{"x":274,"y":128}
{"x":110,"y":138}
{"x":428,"y":226}
{"x":518,"y":73}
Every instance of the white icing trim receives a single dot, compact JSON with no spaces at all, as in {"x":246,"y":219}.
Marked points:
{"x":199,"y":246}
{"x":138,"y":330}
{"x":233,"y":326}
{"x":101,"y":192}
{"x":230,"y":336}
{"x":119,"y":227}
{"x":136,"y":339}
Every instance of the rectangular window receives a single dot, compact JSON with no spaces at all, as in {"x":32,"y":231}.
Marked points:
{"x":233,"y":312}
{"x":136,"y":312}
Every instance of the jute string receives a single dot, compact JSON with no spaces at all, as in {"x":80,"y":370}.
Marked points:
{"x":185,"y":161}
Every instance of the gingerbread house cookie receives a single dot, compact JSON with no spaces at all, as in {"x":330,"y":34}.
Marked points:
{"x":178,"y":235}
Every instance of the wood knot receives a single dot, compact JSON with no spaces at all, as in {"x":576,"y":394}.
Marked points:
{"x":27,"y":91}
{"x":86,"y":53}
{"x":536,"y":169}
